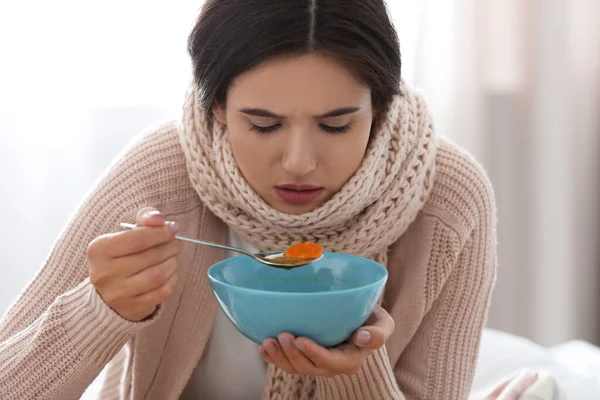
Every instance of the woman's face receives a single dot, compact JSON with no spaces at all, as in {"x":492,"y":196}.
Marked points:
{"x":298,"y":128}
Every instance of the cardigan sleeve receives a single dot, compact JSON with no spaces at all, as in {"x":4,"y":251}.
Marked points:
{"x":59,"y":334}
{"x":439,"y":361}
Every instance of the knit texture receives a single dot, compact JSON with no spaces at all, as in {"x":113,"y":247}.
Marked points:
{"x":59,"y":334}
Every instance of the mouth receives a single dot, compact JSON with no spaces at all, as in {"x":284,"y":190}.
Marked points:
{"x":298,"y":194}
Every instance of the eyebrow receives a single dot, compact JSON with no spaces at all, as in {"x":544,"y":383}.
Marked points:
{"x":261,"y":112}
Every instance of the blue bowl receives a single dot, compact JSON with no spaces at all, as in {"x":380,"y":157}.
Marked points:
{"x":325,"y":301}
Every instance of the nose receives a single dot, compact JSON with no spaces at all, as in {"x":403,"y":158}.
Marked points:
{"x":299,"y":158}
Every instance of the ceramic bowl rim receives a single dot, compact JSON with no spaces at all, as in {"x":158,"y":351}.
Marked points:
{"x":361,"y":288}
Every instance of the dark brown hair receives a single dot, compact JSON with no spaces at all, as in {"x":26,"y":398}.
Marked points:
{"x":234,"y":36}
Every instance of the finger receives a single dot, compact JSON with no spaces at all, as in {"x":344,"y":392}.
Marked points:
{"x":376,"y":332}
{"x":264,"y":355}
{"x":498,"y":389}
{"x":136,"y":240}
{"x":151,"y":278}
{"x":136,"y":263}
{"x":149,"y":216}
{"x":517,"y":386}
{"x":127,"y":266}
{"x":276,"y":353}
{"x":341,"y":359}
{"x":158,"y":295}
{"x":297,"y":359}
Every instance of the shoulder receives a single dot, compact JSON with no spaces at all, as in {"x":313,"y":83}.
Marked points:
{"x":149,"y":171}
{"x":462,"y":195}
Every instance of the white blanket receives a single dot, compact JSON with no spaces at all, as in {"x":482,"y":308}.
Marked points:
{"x":574,"y":365}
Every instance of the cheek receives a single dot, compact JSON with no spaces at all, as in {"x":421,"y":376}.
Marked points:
{"x":344,"y":155}
{"x":251,"y":151}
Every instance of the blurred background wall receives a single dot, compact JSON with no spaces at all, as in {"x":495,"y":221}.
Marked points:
{"x":516,"y":82}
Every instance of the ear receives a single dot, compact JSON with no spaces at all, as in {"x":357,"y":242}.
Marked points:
{"x":219,"y":113}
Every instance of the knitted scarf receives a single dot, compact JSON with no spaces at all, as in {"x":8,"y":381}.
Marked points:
{"x":371,"y":211}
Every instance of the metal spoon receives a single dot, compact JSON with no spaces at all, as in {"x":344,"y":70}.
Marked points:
{"x":274,"y":259}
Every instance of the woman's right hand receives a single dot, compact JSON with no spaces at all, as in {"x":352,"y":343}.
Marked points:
{"x":136,"y":270}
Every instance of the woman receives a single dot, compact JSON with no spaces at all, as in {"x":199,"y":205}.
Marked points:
{"x":297,"y":127}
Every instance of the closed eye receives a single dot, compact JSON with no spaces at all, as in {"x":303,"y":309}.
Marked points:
{"x":273,"y":128}
{"x":335,"y":129}
{"x":264,"y":129}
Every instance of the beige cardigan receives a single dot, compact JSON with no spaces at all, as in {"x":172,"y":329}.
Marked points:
{"x":59,"y":334}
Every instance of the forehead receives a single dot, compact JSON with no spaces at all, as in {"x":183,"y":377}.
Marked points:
{"x":307,"y":83}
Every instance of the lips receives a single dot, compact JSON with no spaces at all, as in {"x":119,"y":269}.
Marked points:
{"x":298,"y":194}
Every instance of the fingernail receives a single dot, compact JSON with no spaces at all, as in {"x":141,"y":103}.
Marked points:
{"x":174,"y":227}
{"x":285,"y":341}
{"x":300,"y":346}
{"x":363,"y":338}
{"x":152,"y":213}
{"x":261,"y":350}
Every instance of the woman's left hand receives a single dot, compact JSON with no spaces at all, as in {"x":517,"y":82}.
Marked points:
{"x":305,"y":357}
{"x":510,"y":389}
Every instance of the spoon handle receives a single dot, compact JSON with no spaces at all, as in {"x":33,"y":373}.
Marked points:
{"x":196,"y":241}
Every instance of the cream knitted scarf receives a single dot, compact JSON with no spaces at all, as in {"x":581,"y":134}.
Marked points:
{"x":371,"y":211}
